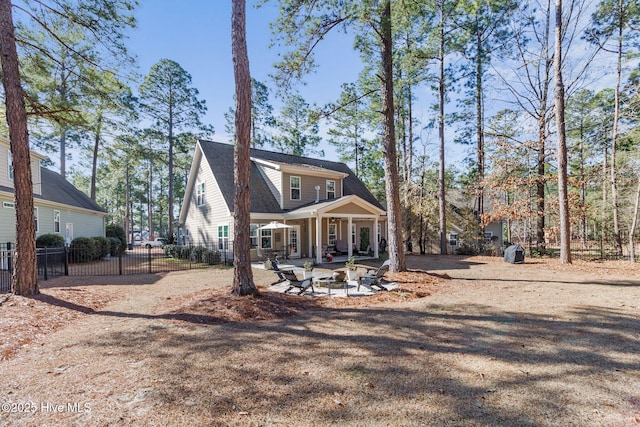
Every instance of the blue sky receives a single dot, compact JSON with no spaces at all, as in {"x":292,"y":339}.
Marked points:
{"x":197,"y":35}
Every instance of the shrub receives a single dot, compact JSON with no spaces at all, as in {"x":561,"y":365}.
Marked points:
{"x":83,"y":249}
{"x":170,"y":250}
{"x":466,"y":249}
{"x":211,"y":257}
{"x":102,"y":246}
{"x":117,"y":231}
{"x":197,"y":252}
{"x":50,"y":241}
{"x":116,"y":248}
{"x":184,"y":252}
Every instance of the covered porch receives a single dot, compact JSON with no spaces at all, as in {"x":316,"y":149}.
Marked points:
{"x":337,"y":229}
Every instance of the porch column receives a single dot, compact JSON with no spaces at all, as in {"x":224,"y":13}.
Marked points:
{"x":319,"y":239}
{"x":349,"y":239}
{"x":376,"y":244}
{"x":310,"y":238}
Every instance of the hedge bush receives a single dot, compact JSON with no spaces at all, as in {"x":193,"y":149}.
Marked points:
{"x":193,"y":254}
{"x":102,"y":246}
{"x":211,"y":257}
{"x":197,"y":252}
{"x":114,"y":230}
{"x":50,"y":241}
{"x":83,"y":249}
{"x":116,"y":247}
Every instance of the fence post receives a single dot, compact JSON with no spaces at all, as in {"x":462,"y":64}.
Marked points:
{"x":120,"y":252}
{"x":9,"y":259}
{"x":46,"y":275}
{"x":149,"y":259}
{"x":66,"y":260}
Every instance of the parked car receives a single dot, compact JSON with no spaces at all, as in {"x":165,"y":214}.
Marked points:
{"x":156,"y":243}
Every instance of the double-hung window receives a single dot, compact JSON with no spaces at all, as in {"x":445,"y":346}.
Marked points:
{"x":56,"y":221}
{"x":223,"y":237}
{"x":265,"y":239}
{"x":331,"y":189}
{"x":200,"y":194}
{"x":35,"y":218}
{"x":295,"y":187}
{"x":253,"y":234}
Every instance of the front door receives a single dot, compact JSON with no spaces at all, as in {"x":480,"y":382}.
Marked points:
{"x":294,"y":241}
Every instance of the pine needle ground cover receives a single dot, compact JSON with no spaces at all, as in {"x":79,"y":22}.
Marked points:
{"x":463,"y":341}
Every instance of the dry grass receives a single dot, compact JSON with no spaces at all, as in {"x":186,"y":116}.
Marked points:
{"x":461,"y":342}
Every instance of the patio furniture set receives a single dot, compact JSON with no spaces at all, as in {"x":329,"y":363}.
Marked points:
{"x":372,"y":279}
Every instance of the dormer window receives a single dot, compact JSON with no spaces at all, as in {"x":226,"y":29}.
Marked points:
{"x":295,"y":187}
{"x":331,"y":189}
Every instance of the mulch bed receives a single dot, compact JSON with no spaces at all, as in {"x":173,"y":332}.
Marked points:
{"x":25,"y":319}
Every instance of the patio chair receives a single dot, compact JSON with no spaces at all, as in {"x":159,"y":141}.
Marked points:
{"x":341,"y":247}
{"x":295,"y":283}
{"x":279,"y":273}
{"x":365,"y":252}
{"x":373,"y":280}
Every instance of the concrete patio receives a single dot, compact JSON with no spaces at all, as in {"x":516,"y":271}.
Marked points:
{"x":335,"y":289}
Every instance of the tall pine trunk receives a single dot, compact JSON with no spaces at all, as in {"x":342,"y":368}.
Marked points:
{"x":242,"y":274}
{"x":94,"y":159}
{"x":634,"y":224}
{"x":541,"y":178}
{"x":396,"y":252}
{"x":171,"y":198}
{"x":442,"y":204}
{"x":614,"y":139}
{"x":563,"y":197}
{"x":24,"y":277}
{"x":480,"y":123}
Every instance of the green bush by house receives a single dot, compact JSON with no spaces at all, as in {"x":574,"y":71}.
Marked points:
{"x":50,"y":241}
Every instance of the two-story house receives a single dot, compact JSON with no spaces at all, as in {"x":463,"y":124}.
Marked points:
{"x":59,"y":207}
{"x":323,"y":204}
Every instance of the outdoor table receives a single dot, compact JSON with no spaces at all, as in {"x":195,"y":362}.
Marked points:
{"x":329,"y":280}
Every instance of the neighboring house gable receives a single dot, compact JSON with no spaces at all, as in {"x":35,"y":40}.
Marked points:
{"x":458,"y":201}
{"x":59,"y":207}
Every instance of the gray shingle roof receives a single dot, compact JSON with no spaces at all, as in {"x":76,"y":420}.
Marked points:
{"x":220,"y":158}
{"x":57,"y":189}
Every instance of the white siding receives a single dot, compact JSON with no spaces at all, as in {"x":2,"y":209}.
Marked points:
{"x":84,"y":224}
{"x":274,"y":181}
{"x":7,"y":221}
{"x":4,"y":168}
{"x":36,"y":178}
{"x":202,"y":221}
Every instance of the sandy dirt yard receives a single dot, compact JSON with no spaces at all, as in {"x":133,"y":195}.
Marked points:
{"x":461,"y":342}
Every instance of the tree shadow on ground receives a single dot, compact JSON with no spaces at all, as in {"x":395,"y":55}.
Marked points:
{"x":382,"y":359}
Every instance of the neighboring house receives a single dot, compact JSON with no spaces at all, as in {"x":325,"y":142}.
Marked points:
{"x":59,"y":207}
{"x":325,"y":205}
{"x":493,"y":232}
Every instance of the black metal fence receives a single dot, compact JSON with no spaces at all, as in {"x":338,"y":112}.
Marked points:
{"x":69,"y":261}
